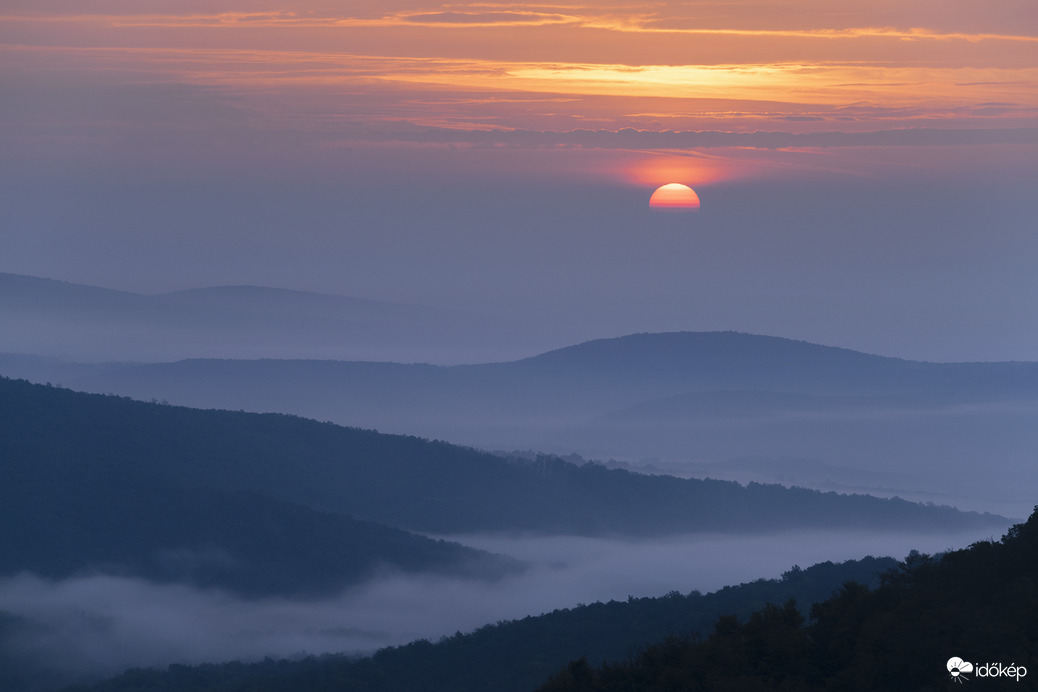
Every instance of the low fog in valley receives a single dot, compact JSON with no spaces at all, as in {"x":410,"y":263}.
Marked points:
{"x":722,"y":405}
{"x":101,"y":624}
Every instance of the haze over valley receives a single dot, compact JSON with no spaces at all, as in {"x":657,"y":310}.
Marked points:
{"x":150,"y":533}
{"x":463,"y":346}
{"x":243,"y":532}
{"x":724,"y":405}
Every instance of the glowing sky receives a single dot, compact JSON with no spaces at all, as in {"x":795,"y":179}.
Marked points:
{"x":389,"y":73}
{"x":116,"y":110}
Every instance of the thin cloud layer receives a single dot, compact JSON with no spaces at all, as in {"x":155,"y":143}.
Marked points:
{"x":935,"y":69}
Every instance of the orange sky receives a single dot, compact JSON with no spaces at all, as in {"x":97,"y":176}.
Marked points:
{"x":877,"y":158}
{"x":387,"y":73}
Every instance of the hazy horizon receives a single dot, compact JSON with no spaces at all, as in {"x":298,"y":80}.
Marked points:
{"x":866,"y":177}
{"x":491,"y":338}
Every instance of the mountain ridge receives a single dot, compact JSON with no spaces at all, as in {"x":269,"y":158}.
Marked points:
{"x":679,"y":397}
{"x":78,"y":321}
{"x":403,"y":481}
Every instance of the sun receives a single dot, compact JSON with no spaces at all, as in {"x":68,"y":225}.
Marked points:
{"x":674,"y":197}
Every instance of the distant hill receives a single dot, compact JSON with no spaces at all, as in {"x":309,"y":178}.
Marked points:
{"x":513,"y":656}
{"x":45,"y":317}
{"x":687,"y":397}
{"x":686,"y":361}
{"x":570,"y":385}
{"x":56,"y":441}
{"x":903,"y":635}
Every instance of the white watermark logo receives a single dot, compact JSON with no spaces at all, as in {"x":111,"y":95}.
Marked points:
{"x":959,"y":670}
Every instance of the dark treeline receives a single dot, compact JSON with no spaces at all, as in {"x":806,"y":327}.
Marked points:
{"x":979,"y":604}
{"x":513,"y":656}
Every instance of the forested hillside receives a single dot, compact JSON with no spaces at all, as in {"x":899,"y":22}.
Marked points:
{"x":681,"y":398}
{"x":249,"y":544}
{"x":979,"y":604}
{"x":54,"y":439}
{"x":270,"y":505}
{"x":100,"y":484}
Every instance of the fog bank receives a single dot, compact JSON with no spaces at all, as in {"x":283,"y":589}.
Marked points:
{"x":102,"y":624}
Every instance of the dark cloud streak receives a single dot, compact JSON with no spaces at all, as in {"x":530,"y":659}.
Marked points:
{"x":629,"y":138}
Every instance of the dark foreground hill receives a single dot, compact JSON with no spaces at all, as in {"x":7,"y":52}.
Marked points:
{"x":55,"y":442}
{"x":978,"y":606}
{"x":512,"y":656}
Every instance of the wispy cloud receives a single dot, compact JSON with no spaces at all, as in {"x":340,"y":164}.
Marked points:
{"x":835,"y":84}
{"x":680,"y":75}
{"x":482,"y":16}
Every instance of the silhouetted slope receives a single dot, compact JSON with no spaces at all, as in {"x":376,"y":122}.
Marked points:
{"x":679,"y":397}
{"x":512,"y":656}
{"x":979,"y":604}
{"x":96,"y":485}
{"x":89,"y":522}
{"x":401,"y":481}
